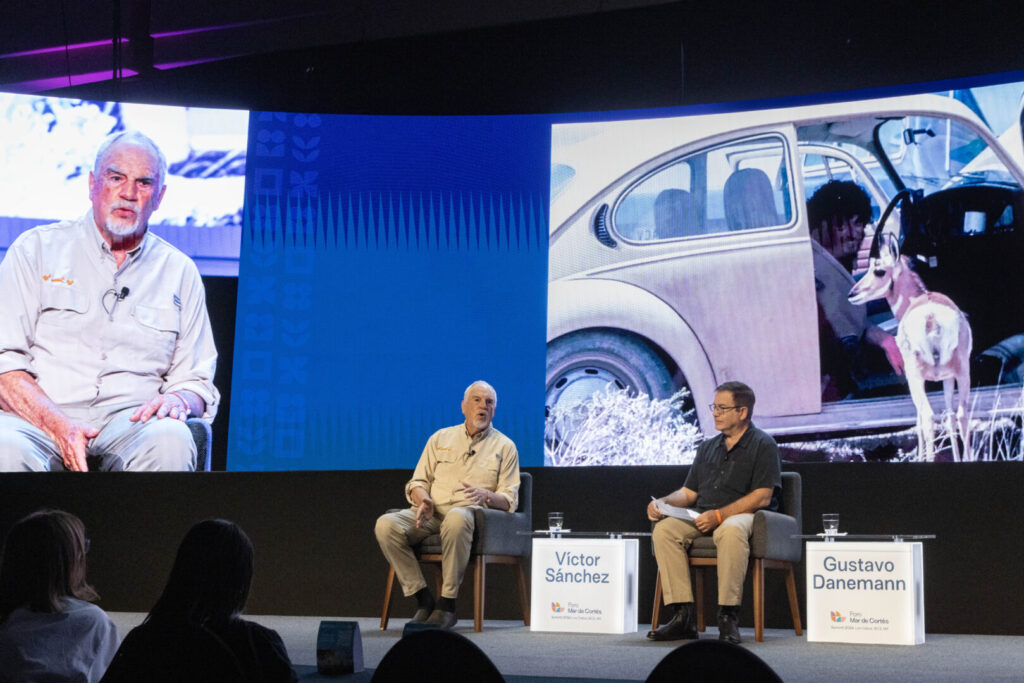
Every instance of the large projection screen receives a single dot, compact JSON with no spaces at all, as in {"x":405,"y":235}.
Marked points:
{"x":605,"y":271}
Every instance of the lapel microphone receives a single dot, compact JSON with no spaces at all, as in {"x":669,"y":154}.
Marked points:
{"x":123,"y":294}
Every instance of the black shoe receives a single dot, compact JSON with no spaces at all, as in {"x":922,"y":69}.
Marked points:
{"x":421,"y":616}
{"x":682,"y":626}
{"x":442,"y":619}
{"x":728,"y":625}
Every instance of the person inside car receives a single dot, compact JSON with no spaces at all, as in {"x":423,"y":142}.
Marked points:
{"x":837,"y":214}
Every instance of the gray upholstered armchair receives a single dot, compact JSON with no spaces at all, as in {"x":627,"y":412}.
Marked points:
{"x":496,"y":540}
{"x":202,"y":434}
{"x":772,"y":546}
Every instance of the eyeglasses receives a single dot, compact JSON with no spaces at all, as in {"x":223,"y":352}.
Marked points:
{"x":721,"y":409}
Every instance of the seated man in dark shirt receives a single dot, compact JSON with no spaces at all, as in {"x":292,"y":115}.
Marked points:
{"x":733,"y":475}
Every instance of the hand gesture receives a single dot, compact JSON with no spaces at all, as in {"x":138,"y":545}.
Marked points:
{"x":425,"y":512}
{"x":476,"y":494}
{"x":72,"y":438}
{"x":706,"y":522}
{"x":653,"y":513}
{"x":162,"y":405}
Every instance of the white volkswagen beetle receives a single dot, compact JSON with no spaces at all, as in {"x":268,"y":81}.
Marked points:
{"x":680,"y":253}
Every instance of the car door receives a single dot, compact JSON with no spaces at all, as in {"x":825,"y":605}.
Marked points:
{"x":718,"y":232}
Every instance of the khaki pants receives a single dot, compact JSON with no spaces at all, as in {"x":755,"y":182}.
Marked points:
{"x":672,"y":539}
{"x":397,"y":533}
{"x":159,"y":444}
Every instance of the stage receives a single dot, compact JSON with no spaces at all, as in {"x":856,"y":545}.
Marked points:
{"x":572,"y":658}
{"x":316,"y":553}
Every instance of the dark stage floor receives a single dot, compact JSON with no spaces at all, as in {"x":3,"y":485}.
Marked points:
{"x":532,"y":657}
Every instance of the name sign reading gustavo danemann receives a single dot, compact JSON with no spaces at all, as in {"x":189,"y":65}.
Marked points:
{"x":865,"y":593}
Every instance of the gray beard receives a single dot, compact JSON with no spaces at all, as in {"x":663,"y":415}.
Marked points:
{"x":122,"y":229}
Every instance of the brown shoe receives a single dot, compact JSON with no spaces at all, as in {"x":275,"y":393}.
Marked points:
{"x":682,"y":626}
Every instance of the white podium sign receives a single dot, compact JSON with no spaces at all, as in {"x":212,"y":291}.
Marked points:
{"x":865,"y":593}
{"x":583,"y":585}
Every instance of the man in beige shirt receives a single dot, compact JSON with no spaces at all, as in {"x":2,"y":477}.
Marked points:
{"x":462,"y":467}
{"x":105,"y":341}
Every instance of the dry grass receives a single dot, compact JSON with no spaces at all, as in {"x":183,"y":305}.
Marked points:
{"x":614,"y":427}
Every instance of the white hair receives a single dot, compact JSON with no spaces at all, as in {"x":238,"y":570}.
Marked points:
{"x":132,"y":137}
{"x":480,"y":383}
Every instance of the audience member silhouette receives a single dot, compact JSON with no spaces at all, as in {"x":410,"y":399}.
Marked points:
{"x":715,"y":661}
{"x":436,"y":655}
{"x":194,"y":631}
{"x":48,"y":629}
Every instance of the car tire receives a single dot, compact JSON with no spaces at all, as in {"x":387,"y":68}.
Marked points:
{"x":581,"y":363}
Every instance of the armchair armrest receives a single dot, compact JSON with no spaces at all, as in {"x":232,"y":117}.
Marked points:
{"x":497,"y":532}
{"x":771,"y":537}
{"x":202,"y":434}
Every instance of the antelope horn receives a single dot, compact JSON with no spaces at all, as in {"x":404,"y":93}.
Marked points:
{"x":875,"y":241}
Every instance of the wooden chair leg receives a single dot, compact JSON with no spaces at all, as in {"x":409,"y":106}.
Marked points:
{"x":478,"y":594}
{"x":656,"y":612}
{"x":524,"y":596}
{"x":698,"y":596}
{"x":794,"y":607}
{"x":385,"y":612}
{"x":758,"y":581}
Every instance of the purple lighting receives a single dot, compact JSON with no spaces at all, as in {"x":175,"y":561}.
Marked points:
{"x":62,"y":81}
{"x":60,"y":48}
{"x":165,"y":66}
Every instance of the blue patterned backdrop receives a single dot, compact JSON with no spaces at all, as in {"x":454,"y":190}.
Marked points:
{"x":386,"y":263}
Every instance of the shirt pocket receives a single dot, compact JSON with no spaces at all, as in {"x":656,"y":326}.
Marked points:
{"x":62,"y":306}
{"x":739,"y":473}
{"x":448,"y":471}
{"x":484,"y":470}
{"x":159,"y":328}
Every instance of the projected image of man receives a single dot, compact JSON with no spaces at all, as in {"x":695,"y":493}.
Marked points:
{"x":462,"y":467}
{"x":733,"y":475}
{"x":105,"y":341}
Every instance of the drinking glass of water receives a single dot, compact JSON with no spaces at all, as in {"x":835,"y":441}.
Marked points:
{"x":830,"y":523}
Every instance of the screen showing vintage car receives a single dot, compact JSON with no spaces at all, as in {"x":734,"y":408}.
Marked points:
{"x":849,"y":260}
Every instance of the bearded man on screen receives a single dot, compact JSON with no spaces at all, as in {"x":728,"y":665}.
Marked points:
{"x":105,"y":341}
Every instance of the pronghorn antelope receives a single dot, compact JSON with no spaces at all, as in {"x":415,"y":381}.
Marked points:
{"x":934,"y":339}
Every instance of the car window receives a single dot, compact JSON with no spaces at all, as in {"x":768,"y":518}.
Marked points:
{"x":819,"y":169}
{"x":931,"y":153}
{"x":561,"y":176}
{"x":744,"y":185}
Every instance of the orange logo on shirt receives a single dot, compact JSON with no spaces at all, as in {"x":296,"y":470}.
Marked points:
{"x":50,"y":278}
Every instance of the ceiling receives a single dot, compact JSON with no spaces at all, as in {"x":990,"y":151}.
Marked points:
{"x":51,"y":44}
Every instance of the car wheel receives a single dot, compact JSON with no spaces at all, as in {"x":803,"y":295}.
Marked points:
{"x":582,"y":363}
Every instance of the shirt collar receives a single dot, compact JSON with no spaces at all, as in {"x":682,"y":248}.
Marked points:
{"x":741,"y":443}
{"x":479,"y":435}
